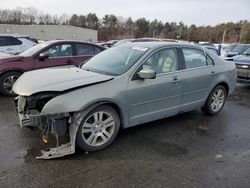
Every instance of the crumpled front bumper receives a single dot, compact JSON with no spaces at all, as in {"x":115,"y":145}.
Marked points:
{"x":57,"y":127}
{"x":24,"y":119}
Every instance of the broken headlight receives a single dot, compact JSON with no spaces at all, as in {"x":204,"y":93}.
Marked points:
{"x":38,"y":101}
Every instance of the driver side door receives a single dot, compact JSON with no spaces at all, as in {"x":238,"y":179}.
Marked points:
{"x":152,"y":99}
{"x":59,"y":55}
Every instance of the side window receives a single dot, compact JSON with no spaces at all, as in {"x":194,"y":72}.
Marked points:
{"x":162,"y":61}
{"x":5,"y":41}
{"x":60,"y":50}
{"x":15,"y":41}
{"x":84,"y":49}
{"x":97,"y":50}
{"x":194,"y":58}
{"x":210,"y":60}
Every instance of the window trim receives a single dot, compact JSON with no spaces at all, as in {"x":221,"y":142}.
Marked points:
{"x":203,"y":52}
{"x":134,"y":75}
{"x":54,"y":46}
{"x":36,"y":55}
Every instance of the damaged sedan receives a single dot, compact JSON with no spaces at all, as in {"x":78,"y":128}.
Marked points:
{"x":124,"y":86}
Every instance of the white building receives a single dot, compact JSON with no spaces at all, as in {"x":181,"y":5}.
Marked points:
{"x":51,"y":32}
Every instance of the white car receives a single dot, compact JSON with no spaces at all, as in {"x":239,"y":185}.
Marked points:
{"x":15,"y":44}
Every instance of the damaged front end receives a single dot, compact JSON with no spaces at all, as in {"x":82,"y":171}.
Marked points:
{"x":29,"y":112}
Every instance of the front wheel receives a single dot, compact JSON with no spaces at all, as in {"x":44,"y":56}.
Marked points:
{"x":7,"y":81}
{"x":215,"y":101}
{"x":98,"y":129}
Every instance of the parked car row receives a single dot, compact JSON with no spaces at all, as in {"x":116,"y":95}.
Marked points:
{"x":236,"y":49}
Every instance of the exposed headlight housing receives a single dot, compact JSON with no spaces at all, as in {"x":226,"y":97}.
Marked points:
{"x":38,"y":101}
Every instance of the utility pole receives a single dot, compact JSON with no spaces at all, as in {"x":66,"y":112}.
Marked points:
{"x":223,"y":37}
{"x":180,"y":32}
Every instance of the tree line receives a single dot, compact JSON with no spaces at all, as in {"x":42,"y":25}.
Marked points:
{"x":112,"y":27}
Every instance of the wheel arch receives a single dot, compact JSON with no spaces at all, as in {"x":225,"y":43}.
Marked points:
{"x":112,"y":104}
{"x":16,"y":70}
{"x":224,"y":84}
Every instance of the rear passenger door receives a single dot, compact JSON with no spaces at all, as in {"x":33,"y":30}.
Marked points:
{"x":197,"y":76}
{"x":83,"y":52}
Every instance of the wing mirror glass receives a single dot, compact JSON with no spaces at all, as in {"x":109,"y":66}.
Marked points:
{"x":147,"y":74}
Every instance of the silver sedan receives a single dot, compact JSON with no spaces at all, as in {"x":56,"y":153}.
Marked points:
{"x":124,"y":86}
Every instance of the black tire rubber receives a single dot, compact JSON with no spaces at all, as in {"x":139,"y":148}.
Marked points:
{"x":207,"y":107}
{"x":79,"y":140}
{"x":3,"y":77}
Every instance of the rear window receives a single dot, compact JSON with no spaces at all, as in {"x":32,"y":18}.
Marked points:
{"x":9,"y":41}
{"x":194,"y":58}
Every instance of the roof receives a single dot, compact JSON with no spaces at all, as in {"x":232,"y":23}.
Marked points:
{"x":10,"y":35}
{"x":153,"y":45}
{"x":72,"y":41}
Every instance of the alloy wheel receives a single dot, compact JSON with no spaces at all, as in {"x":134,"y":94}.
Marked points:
{"x":98,"y":128}
{"x":9,"y":82}
{"x":218,"y":100}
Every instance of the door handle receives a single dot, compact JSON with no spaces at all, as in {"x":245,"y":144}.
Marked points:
{"x":213,"y":73}
{"x":175,"y":80}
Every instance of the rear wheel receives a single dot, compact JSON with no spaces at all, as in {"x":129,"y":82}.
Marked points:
{"x":7,"y":81}
{"x":215,"y":101}
{"x":98,"y":129}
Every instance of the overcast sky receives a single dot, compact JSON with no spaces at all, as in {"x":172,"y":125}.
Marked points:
{"x":199,"y":12}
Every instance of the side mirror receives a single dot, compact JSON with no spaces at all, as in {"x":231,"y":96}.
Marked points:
{"x":43,"y":56}
{"x":147,"y":74}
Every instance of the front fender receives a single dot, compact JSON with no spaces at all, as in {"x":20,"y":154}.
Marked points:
{"x":81,"y":99}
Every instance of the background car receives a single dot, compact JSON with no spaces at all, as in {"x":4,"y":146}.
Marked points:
{"x":121,"y":87}
{"x":15,"y":44}
{"x":227,"y":48}
{"x":108,"y":44}
{"x":243,"y":66}
{"x":238,"y":50}
{"x":43,"y":55}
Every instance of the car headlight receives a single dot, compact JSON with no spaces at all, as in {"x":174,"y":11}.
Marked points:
{"x":38,"y":101}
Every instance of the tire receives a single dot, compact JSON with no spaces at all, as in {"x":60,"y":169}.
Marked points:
{"x":94,"y":133}
{"x":7,"y":81}
{"x":215,"y":101}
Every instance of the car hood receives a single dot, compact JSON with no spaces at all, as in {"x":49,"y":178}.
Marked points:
{"x":56,"y":79}
{"x":9,"y":58}
{"x":242,"y":58}
{"x":232,"y":53}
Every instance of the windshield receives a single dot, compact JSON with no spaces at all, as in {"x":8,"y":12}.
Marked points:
{"x":230,"y":47}
{"x":237,"y":48}
{"x":31,"y":51}
{"x":247,"y":52}
{"x":115,"y":61}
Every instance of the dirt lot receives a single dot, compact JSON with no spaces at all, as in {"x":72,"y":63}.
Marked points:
{"x":188,"y":150}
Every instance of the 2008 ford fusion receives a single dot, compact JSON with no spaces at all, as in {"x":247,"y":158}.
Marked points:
{"x":121,"y":87}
